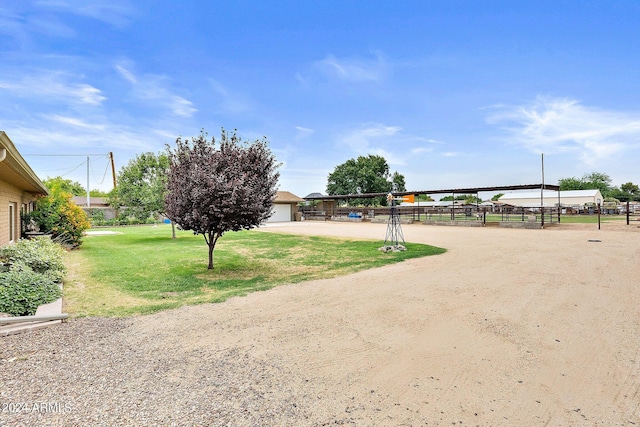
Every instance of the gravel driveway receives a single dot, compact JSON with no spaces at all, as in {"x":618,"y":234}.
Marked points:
{"x":509,"y":327}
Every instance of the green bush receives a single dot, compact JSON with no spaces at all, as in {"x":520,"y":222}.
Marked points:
{"x":40,"y":254}
{"x":22,"y":290}
{"x":97,"y":216}
{"x":29,"y":275}
{"x":59,"y":216}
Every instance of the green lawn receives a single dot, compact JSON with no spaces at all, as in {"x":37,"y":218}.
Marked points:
{"x":143,"y":270}
{"x":590,"y":219}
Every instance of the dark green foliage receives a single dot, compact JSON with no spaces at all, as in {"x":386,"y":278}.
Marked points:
{"x":66,"y":186}
{"x":142,"y":185}
{"x":29,"y":277}
{"x":627,"y":192}
{"x":601,"y":181}
{"x":22,"y":291}
{"x":40,"y":254}
{"x":362,"y":176}
{"x":593,"y":180}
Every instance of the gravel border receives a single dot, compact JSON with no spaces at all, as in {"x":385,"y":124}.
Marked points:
{"x":92,"y":371}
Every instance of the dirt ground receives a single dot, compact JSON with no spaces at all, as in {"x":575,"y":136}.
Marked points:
{"x":509,"y":327}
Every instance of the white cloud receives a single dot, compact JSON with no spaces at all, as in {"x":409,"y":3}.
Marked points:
{"x":303,"y":132}
{"x":361,"y":140}
{"x":372,"y":138}
{"x":126,"y":74}
{"x":229,"y":101}
{"x":49,"y":132}
{"x":50,"y":26}
{"x":390,"y":142}
{"x":114,"y":12}
{"x":450,"y":154}
{"x":56,"y":86}
{"x":419,"y":150}
{"x":553,"y":125}
{"x":353,"y":70}
{"x":181,"y":106}
{"x":149,"y":87}
{"x":75,"y":122}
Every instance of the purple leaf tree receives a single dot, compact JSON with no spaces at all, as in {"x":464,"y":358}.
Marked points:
{"x":214,"y":188}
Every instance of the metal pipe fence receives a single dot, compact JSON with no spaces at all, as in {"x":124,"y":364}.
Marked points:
{"x":546,"y":215}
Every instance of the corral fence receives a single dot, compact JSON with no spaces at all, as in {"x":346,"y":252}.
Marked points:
{"x":481,"y":215}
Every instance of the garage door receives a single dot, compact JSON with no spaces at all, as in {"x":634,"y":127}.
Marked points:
{"x":281,"y":213}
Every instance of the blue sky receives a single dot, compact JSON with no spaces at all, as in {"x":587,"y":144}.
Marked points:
{"x":452,"y":93}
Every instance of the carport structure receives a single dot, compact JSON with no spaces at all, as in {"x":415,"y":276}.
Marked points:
{"x":453,"y":214}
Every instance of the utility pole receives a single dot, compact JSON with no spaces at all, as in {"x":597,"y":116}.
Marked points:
{"x":88,"y":196}
{"x":113,"y":169}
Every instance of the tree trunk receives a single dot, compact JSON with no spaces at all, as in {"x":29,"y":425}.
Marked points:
{"x":211,"y":238}
{"x":173,"y":229}
{"x":211,"y":246}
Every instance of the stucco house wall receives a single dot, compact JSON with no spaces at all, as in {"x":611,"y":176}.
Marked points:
{"x":19,"y":187}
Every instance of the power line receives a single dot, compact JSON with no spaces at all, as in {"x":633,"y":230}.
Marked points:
{"x":73,"y":169}
{"x":67,"y":155}
{"x":104,"y":175}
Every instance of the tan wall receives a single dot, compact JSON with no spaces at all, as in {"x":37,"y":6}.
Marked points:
{"x":12,"y":195}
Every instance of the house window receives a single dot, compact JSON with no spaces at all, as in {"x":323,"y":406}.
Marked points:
{"x":12,"y":222}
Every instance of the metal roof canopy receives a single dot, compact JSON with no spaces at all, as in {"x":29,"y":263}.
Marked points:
{"x":475,"y":190}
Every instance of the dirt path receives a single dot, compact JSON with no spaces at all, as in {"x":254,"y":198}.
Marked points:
{"x":509,"y":327}
{"x":513,"y":327}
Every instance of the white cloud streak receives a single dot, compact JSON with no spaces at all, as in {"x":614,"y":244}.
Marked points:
{"x":390,"y":142}
{"x":353,"y":70}
{"x":55,"y":86}
{"x":228,"y":101}
{"x":303,"y":133}
{"x":371,"y":138}
{"x":554,"y":125}
{"x":154,"y":88}
{"x":75,"y":122}
{"x":126,"y":74}
{"x":113,"y":12}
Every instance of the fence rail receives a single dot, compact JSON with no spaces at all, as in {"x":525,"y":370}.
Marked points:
{"x":546,"y":215}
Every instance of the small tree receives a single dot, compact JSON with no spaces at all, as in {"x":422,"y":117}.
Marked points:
{"x":142,"y":186}
{"x":58,"y":215}
{"x":65,"y":185}
{"x":214,"y":189}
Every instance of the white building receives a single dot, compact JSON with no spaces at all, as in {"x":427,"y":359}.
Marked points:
{"x":548,"y":198}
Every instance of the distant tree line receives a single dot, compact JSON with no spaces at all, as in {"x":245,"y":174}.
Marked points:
{"x":365,"y":175}
{"x":601,"y":181}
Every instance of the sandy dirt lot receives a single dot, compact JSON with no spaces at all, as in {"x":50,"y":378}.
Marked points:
{"x":509,"y":327}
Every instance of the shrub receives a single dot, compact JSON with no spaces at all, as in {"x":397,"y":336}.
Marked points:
{"x":97,"y":216}
{"x":40,"y":254}
{"x":22,"y":290}
{"x":59,"y":216}
{"x":29,"y":275}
